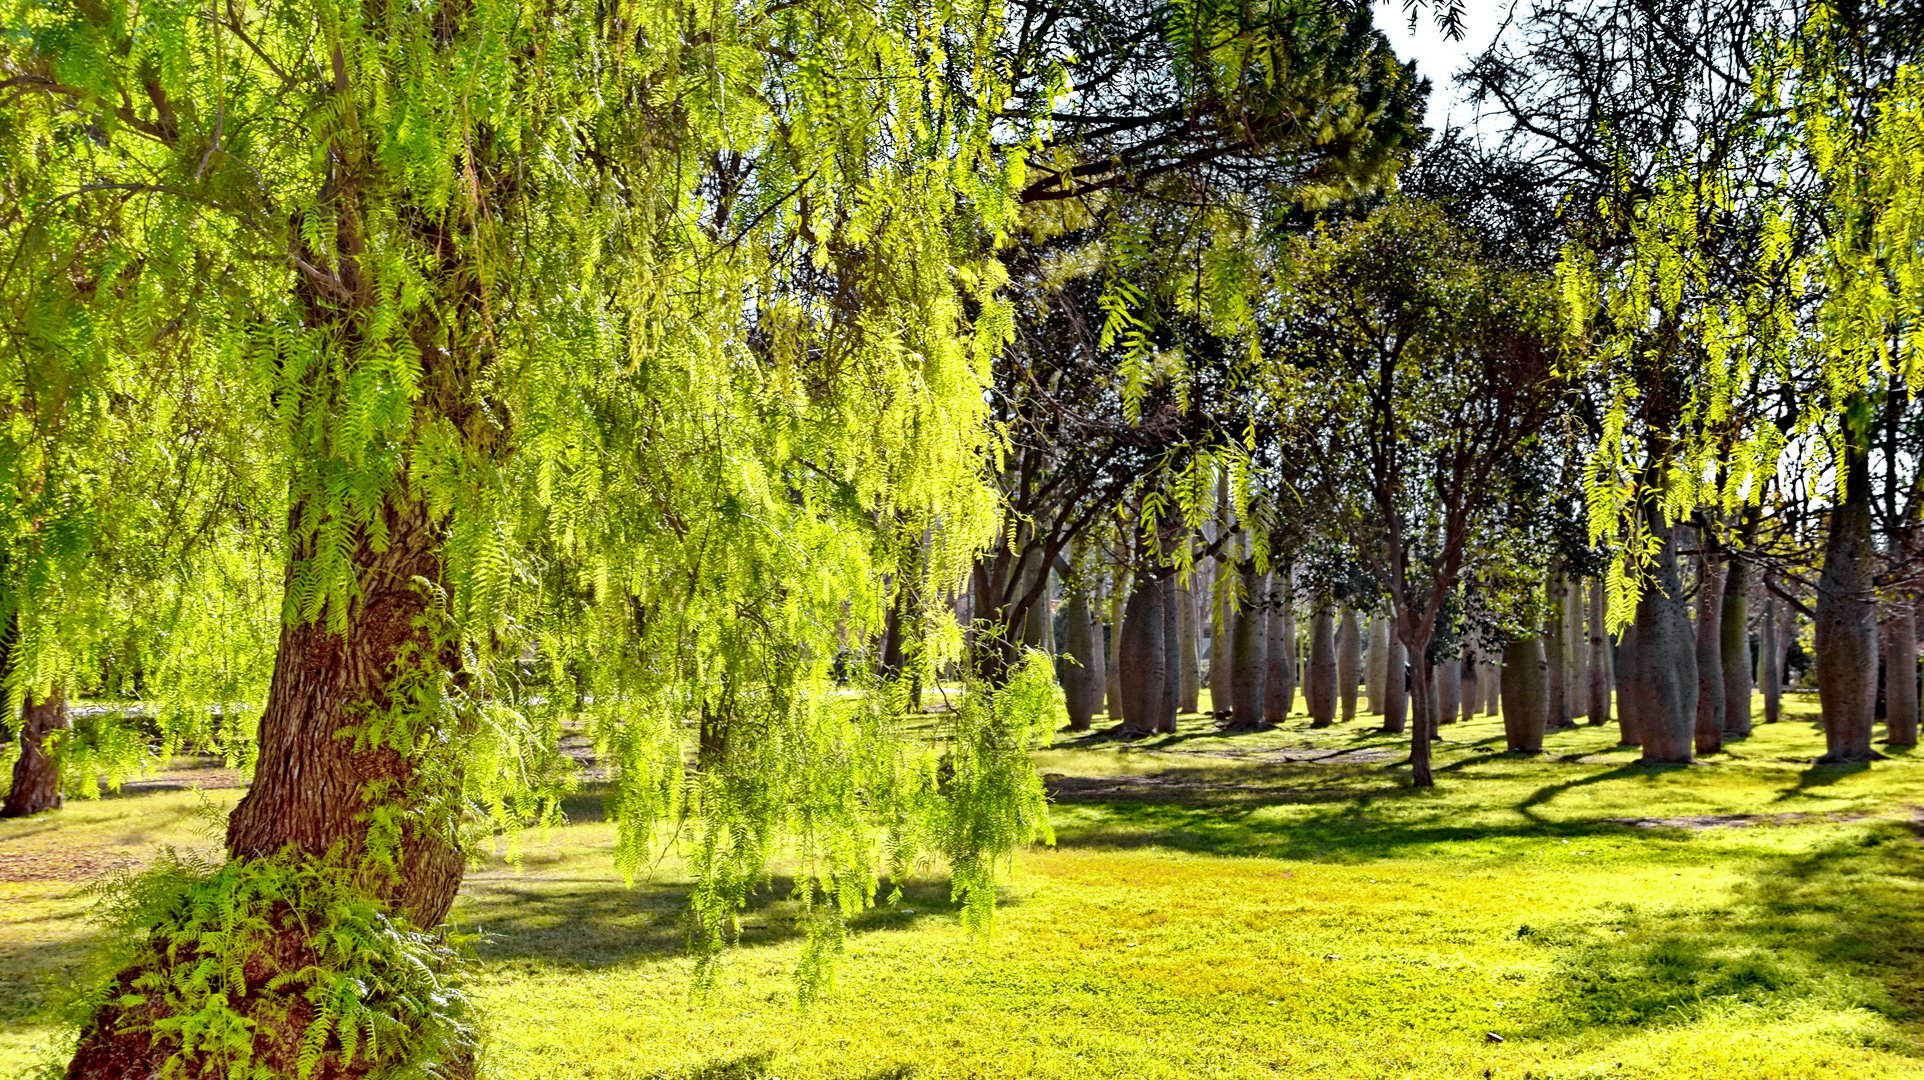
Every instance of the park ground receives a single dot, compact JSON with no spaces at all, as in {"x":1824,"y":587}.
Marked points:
{"x":1273,"y":904}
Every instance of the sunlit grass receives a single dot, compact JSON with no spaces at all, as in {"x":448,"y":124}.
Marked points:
{"x":1214,"y":910}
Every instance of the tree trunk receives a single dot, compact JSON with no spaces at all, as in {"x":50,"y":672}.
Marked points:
{"x":1900,"y":677}
{"x":1422,"y":706}
{"x":1710,"y":650}
{"x":1597,"y":682}
{"x":1666,"y":659}
{"x":1630,"y":692}
{"x":1472,"y":685}
{"x":1221,"y":694}
{"x":1172,"y":650}
{"x":1320,"y":687}
{"x":1279,"y":681}
{"x":1449,"y":689}
{"x":1492,"y":683}
{"x":36,"y":773}
{"x":1189,"y":649}
{"x":1376,"y":675}
{"x":1734,"y":625}
{"x":1771,"y":672}
{"x":1525,"y":695}
{"x":1846,"y":616}
{"x":1112,"y":670}
{"x":1249,"y":660}
{"x":1082,"y":676}
{"x":1556,"y":655}
{"x":1142,"y":661}
{"x":1396,"y":689}
{"x":1349,"y":662}
{"x":1577,"y":647}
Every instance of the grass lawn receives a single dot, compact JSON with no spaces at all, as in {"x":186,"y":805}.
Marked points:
{"x":1213,"y":907}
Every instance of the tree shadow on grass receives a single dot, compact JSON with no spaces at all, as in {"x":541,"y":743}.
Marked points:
{"x":1839,"y":930}
{"x":598,"y":923}
{"x":1821,"y":776}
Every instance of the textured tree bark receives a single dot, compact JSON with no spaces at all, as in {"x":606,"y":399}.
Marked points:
{"x":1577,"y":647}
{"x":1710,"y":651}
{"x":36,"y":772}
{"x":1172,"y":656}
{"x":1319,"y":689}
{"x":1349,"y":662}
{"x":1376,"y":675}
{"x":1112,"y":671}
{"x":1396,"y":689}
{"x":1846,"y":616}
{"x":1249,"y":656}
{"x":1448,"y":679}
{"x":1189,"y":649}
{"x":1422,"y":706}
{"x":1472,"y":685}
{"x":1734,"y":626}
{"x":1630,"y":692}
{"x":1666,"y":657}
{"x":1771,"y":673}
{"x":1525,"y":695}
{"x":1556,"y":655}
{"x":1142,"y":661}
{"x":1279,"y":681}
{"x":1598,"y":674}
{"x":1900,"y":677}
{"x":1082,"y":675}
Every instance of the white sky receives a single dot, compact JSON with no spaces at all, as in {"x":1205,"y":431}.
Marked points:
{"x":1438,"y":58}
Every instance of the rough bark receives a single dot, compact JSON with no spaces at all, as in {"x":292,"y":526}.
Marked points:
{"x":1422,"y":703}
{"x":1188,"y":649}
{"x":1376,"y":674}
{"x":1349,"y":662}
{"x":1172,"y":650}
{"x":1770,"y":675}
{"x":1734,"y":626}
{"x":36,"y":772}
{"x":1710,"y":652}
{"x":1082,"y":675}
{"x":1900,"y":677}
{"x":1319,"y":688}
{"x":1666,"y":659}
{"x":1846,"y":618}
{"x":1396,"y":689}
{"x":1525,"y":695}
{"x":1249,"y":644}
{"x":1472,"y":686}
{"x":1597,"y":672}
{"x":1448,"y":679}
{"x":1279,"y":681}
{"x":1142,"y":661}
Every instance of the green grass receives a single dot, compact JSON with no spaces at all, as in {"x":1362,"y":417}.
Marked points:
{"x":1210,"y":910}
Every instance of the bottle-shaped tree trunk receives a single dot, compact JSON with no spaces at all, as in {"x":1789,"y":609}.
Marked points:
{"x":1448,"y":679}
{"x":1492,"y":683}
{"x":1734,"y":626}
{"x":1279,"y":681}
{"x":1710,"y":649}
{"x":1172,"y":655}
{"x":36,"y":772}
{"x":1900,"y":677}
{"x":1556,"y":653}
{"x":1577,"y":648}
{"x":1349,"y":662}
{"x":1376,"y":673}
{"x":1396,"y":689}
{"x":1525,"y":695}
{"x":1846,"y":631}
{"x":1770,"y":673}
{"x":1471,"y":682}
{"x":1630,"y":690}
{"x":1082,"y":674}
{"x":1143,"y":660}
{"x":1319,"y":687}
{"x":1666,"y":658}
{"x":1113,"y":669}
{"x":1249,"y":652}
{"x":1422,"y":703}
{"x":1598,"y":674}
{"x":1189,"y":649}
{"x":1218,"y":623}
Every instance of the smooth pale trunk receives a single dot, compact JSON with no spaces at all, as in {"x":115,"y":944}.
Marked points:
{"x":1349,"y":661}
{"x":1556,"y":651}
{"x":1319,"y":688}
{"x":1597,"y":673}
{"x":1525,"y":695}
{"x":1396,"y":689}
{"x":1249,"y":658}
{"x":1492,"y":683}
{"x":1142,"y":660}
{"x":1218,"y":623}
{"x":1900,"y":677}
{"x":1666,"y":659}
{"x":1172,"y":650}
{"x":1279,"y":681}
{"x":1846,"y":617}
{"x":36,"y":772}
{"x":1189,"y":648}
{"x":1472,"y":686}
{"x":1376,"y":673}
{"x":1449,"y":689}
{"x":1082,"y":676}
{"x":1578,"y":648}
{"x":1113,"y":669}
{"x":1734,"y":628}
{"x":1770,"y":675}
{"x":1710,"y":653}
